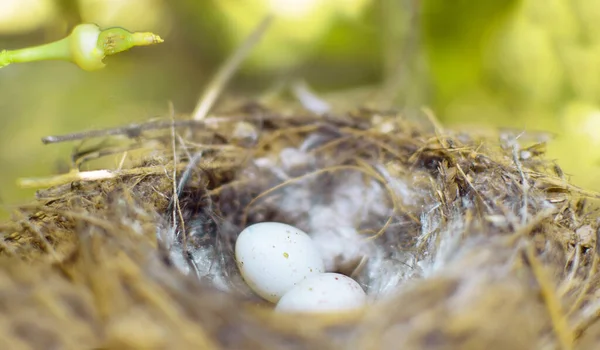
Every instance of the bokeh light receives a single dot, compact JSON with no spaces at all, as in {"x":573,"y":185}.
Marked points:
{"x":17,"y":16}
{"x":107,"y":13}
{"x":299,"y":26}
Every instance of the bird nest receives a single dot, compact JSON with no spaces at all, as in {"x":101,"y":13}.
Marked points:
{"x":460,"y":240}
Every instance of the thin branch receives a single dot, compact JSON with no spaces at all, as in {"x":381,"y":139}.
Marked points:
{"x":525,"y":183}
{"x":131,"y":131}
{"x":226,"y":71}
{"x":98,"y":175}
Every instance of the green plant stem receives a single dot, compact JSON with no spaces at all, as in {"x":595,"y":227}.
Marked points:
{"x":51,"y":51}
{"x":86,"y":46}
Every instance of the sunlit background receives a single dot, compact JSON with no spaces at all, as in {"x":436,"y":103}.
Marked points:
{"x":527,"y":64}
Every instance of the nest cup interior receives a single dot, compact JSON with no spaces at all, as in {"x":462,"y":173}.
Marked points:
{"x":385,"y":199}
{"x":342,"y":187}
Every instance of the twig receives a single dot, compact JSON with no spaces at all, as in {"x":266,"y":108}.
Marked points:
{"x":135,"y":130}
{"x":525,"y":183}
{"x":401,"y":24}
{"x":131,"y":131}
{"x":122,"y":161}
{"x":225,"y":73}
{"x":98,"y":175}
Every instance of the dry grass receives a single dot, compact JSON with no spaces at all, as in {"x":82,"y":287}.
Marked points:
{"x":502,"y":250}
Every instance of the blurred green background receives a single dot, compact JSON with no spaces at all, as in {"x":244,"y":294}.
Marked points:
{"x":524,"y":64}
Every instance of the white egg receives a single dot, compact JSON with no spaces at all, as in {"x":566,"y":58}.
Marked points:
{"x":327,"y":292}
{"x":274,"y":257}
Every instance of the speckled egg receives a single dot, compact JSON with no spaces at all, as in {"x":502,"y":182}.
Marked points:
{"x":274,"y":257}
{"x":327,"y":292}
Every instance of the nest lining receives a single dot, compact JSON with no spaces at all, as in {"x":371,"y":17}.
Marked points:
{"x":461,"y":241}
